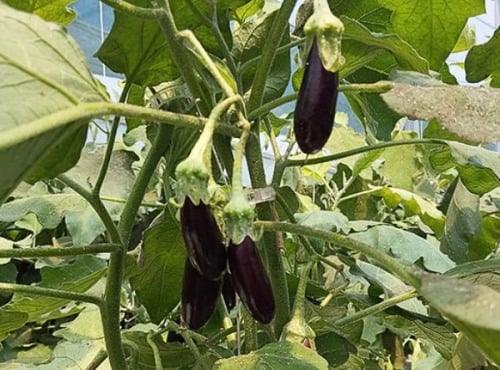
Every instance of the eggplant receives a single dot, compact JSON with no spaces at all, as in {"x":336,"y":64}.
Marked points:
{"x":316,"y":103}
{"x":228,"y":292}
{"x":203,"y":239}
{"x":251,"y":281}
{"x":199,"y":297}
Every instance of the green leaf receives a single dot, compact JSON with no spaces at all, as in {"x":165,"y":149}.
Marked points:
{"x":486,"y":241}
{"x":484,"y":272}
{"x":484,"y":60}
{"x":11,"y":320}
{"x":479,"y":169}
{"x":414,"y":205}
{"x":432,"y":28}
{"x":157,"y":280}
{"x":406,"y":56}
{"x":78,"y":276}
{"x":245,"y":11}
{"x":276,"y":356}
{"x":334,"y":348}
{"x":35,"y":88}
{"x":344,"y":138}
{"x":87,"y":324}
{"x":50,"y":10}
{"x":470,"y":112}
{"x":324,"y":220}
{"x":463,"y":222}
{"x":406,"y":246}
{"x":472,"y":308}
{"x":173,"y":355}
{"x":286,"y":196}
{"x":248,"y":42}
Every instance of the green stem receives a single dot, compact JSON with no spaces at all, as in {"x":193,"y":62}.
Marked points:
{"x":298,"y":304}
{"x":48,"y":292}
{"x":405,"y":272}
{"x":143,"y":204}
{"x":377,"y":87}
{"x":363,"y":149}
{"x":379,"y":307}
{"x":58,"y":251}
{"x":136,"y":11}
{"x":98,"y":206}
{"x":186,"y":335}
{"x":97,"y":360}
{"x":250,"y":327}
{"x":83,"y":111}
{"x":278,"y":28}
{"x":111,"y":143}
{"x":156,"y":351}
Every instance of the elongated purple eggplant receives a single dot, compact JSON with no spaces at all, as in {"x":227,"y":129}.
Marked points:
{"x":203,"y":239}
{"x":199,"y":297}
{"x":228,"y":292}
{"x":315,"y":108}
{"x":251,"y":281}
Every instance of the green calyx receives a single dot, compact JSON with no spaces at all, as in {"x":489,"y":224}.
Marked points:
{"x":192,"y":179}
{"x":326,"y":29}
{"x":239,"y":215}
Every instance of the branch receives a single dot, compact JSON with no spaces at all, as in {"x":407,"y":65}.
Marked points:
{"x":136,"y":11}
{"x":49,"y":292}
{"x":58,"y":251}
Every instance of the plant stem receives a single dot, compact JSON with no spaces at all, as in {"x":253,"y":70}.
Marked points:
{"x":156,"y":351}
{"x":97,"y":360}
{"x":143,"y":204}
{"x":406,"y":273}
{"x":360,"y":150}
{"x":379,"y":307}
{"x":186,"y":335}
{"x":111,"y":142}
{"x":377,"y":87}
{"x":48,"y":292}
{"x":83,"y":111}
{"x":250,"y":328}
{"x":55,"y":251}
{"x":136,"y":11}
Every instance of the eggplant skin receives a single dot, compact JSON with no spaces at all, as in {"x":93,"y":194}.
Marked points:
{"x":251,"y":281}
{"x":199,"y":297}
{"x":316,"y":103}
{"x":203,"y":239}
{"x":228,"y":292}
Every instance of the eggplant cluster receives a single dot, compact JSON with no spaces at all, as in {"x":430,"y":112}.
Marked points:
{"x":206,"y":275}
{"x":316,"y":103}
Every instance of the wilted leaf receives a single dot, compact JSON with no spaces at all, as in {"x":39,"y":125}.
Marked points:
{"x":276,"y":356}
{"x":471,"y":112}
{"x":44,"y":72}
{"x":472,"y":308}
{"x":157,"y":280}
{"x":406,"y":246}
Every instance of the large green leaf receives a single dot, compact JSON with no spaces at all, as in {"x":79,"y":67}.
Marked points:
{"x":484,"y":272}
{"x":44,"y":72}
{"x":50,"y":10}
{"x":479,"y":169}
{"x":137,"y":47}
{"x":472,"y":308}
{"x":484,"y":60}
{"x":276,"y":356}
{"x":157,"y":279}
{"x":79,"y":276}
{"x":406,"y":246}
{"x":432,"y":27}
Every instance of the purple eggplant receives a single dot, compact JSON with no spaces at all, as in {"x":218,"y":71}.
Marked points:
{"x":251,"y":281}
{"x":228,"y":292}
{"x":316,"y":102}
{"x":199,"y":297}
{"x":203,"y":239}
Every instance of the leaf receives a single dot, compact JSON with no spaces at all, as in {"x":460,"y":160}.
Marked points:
{"x":50,"y":10}
{"x":472,"y":113}
{"x":406,"y":56}
{"x":11,"y":320}
{"x":334,"y":348}
{"x":157,"y":280}
{"x":88,"y":324}
{"x":486,"y":241}
{"x":173,"y":355}
{"x":463,"y":222}
{"x":45,"y":73}
{"x":484,"y":272}
{"x":432,"y":28}
{"x":286,"y":196}
{"x":413,"y":205}
{"x":276,"y":356}
{"x":344,"y":138}
{"x":248,"y":42}
{"x":247,"y":10}
{"x":324,"y":220}
{"x":479,"y":169}
{"x":78,"y":276}
{"x":406,"y":246}
{"x":484,"y":60}
{"x":472,"y":308}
